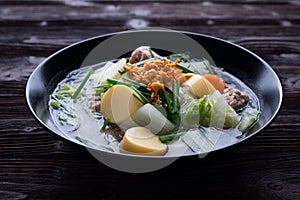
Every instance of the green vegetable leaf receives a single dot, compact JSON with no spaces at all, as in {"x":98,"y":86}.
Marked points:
{"x":181,"y":56}
{"x":248,"y":117}
{"x":214,"y":111}
{"x":190,"y":115}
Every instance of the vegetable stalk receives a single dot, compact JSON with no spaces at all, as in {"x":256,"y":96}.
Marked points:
{"x":78,"y":90}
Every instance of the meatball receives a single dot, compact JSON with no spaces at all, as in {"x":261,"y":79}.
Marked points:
{"x":235,"y":98}
{"x":141,"y":53}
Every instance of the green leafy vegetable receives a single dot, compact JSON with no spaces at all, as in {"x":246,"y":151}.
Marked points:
{"x":196,"y":140}
{"x":248,"y":117}
{"x":181,"y":56}
{"x":206,"y":139}
{"x":190,"y":115}
{"x":214,"y":111}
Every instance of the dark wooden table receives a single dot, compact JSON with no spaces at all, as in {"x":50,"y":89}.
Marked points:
{"x":37,"y":164}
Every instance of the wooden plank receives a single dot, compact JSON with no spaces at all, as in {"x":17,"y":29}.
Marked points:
{"x":116,"y":13}
{"x":90,"y":2}
{"x":37,"y":178}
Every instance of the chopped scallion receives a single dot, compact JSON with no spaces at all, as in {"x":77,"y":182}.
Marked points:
{"x":121,"y":71}
{"x":55,"y":104}
{"x":208,"y":67}
{"x":169,"y":138}
{"x":151,"y":53}
{"x":105,"y":124}
{"x":143,"y":98}
{"x":78,"y":90}
{"x":184,"y":69}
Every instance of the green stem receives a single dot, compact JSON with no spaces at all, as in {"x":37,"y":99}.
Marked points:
{"x":143,"y":98}
{"x":208,"y":67}
{"x":78,"y":90}
{"x":105,"y":124}
{"x":184,"y":69}
{"x":151,"y":53}
{"x":169,"y":138}
{"x":135,"y":83}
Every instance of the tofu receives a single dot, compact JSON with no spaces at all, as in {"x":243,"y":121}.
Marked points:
{"x":199,"y":86}
{"x":140,"y":140}
{"x":118,"y":104}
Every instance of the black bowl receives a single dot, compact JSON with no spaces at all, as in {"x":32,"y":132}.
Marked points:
{"x":242,"y":63}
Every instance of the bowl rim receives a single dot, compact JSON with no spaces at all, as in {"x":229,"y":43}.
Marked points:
{"x":264,"y":63}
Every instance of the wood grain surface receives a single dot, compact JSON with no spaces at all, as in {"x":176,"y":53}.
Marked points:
{"x":37,"y":164}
